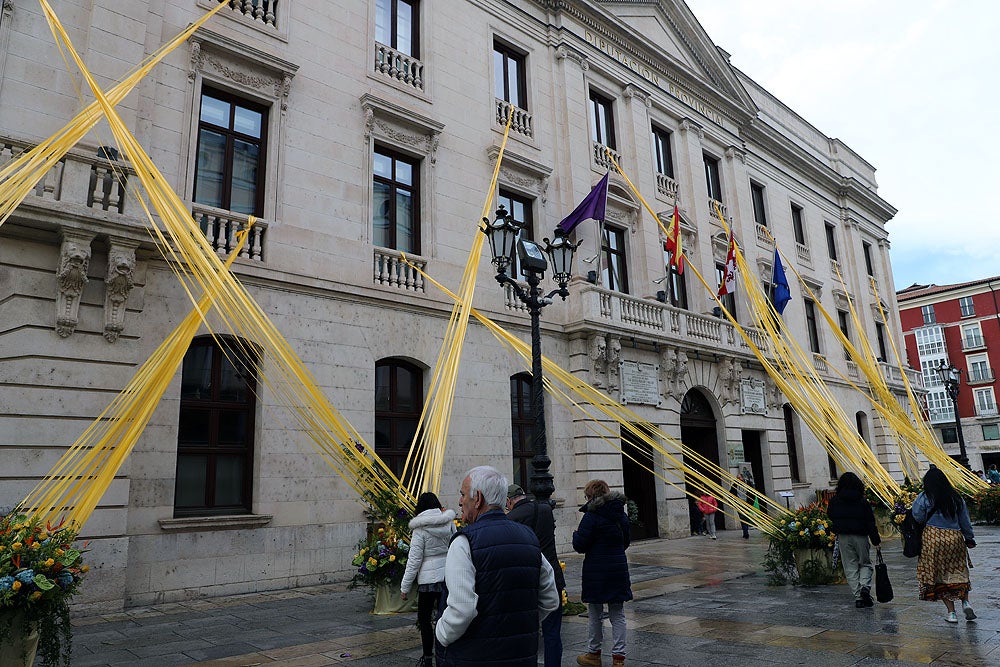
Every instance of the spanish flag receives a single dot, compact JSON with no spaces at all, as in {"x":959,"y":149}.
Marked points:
{"x":673,"y":242}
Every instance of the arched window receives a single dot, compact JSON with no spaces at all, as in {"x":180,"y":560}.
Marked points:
{"x":399,"y":399}
{"x":215,"y":429}
{"x":522,"y":428}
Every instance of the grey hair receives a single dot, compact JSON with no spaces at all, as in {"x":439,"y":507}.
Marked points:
{"x":490,"y":482}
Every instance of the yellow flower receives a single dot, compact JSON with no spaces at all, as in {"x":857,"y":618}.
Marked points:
{"x":373,"y":561}
{"x":363,"y":552}
{"x":35,"y":546}
{"x":43,"y":536}
{"x":50,"y":562}
{"x":59,"y":552}
{"x":85,"y":568}
{"x":381,"y":531}
{"x":562,"y":566}
{"x":16,"y":585}
{"x":2,"y":547}
{"x":35,"y":596}
{"x":16,"y":546}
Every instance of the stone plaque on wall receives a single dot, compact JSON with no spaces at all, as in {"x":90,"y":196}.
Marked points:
{"x":640,"y":383}
{"x":752,"y":396}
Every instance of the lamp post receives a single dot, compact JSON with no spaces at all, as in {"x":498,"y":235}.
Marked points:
{"x":503,"y":235}
{"x":951,"y":377}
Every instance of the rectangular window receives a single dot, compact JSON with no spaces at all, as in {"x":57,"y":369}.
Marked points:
{"x":866,"y":248}
{"x":979,"y":368}
{"x":797,"y":226}
{"x":844,"y":319}
{"x":661,"y":147}
{"x":522,"y":428}
{"x":793,"y":450}
{"x":396,"y":205}
{"x":986,"y":403}
{"x":972,"y":336}
{"x":967,"y":307}
{"x":880,"y":339}
{"x":949,"y":435}
{"x":396,"y":25}
{"x":521,"y":210}
{"x":928,"y":314}
{"x":929,"y":369}
{"x":991,"y":431}
{"x":712,"y":178}
{"x":229,"y":172}
{"x":678,"y":289}
{"x":728,"y":300}
{"x":508,"y":73}
{"x":602,"y":120}
{"x":811,"y":327}
{"x":757,"y":195}
{"x":831,"y":241}
{"x":614,"y":269}
{"x":930,"y":341}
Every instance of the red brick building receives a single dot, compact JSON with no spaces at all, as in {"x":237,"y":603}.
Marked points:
{"x":958,"y":325}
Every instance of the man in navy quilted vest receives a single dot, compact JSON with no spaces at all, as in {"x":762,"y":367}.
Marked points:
{"x":499,"y":587}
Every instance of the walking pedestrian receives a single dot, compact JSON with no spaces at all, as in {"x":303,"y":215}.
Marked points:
{"x":498,"y":585}
{"x":943,"y":563}
{"x":740,"y":491}
{"x":431,"y":529}
{"x":993,"y":475}
{"x":708,"y":506}
{"x":697,"y":520}
{"x":603,"y":537}
{"x":538,"y":516}
{"x":853,"y":521}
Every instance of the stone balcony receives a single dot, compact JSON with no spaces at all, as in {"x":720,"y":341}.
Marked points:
{"x":399,"y":67}
{"x":264,"y":12}
{"x":220,"y":226}
{"x":712,"y":204}
{"x":520,"y":123}
{"x":601,"y":160}
{"x":666,"y":186}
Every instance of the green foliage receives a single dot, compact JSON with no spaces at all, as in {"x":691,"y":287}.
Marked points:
{"x":39,"y":572}
{"x":779,"y":563}
{"x":985,"y":506}
{"x":633,"y":513}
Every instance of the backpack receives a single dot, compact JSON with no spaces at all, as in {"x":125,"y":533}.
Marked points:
{"x":912,"y":532}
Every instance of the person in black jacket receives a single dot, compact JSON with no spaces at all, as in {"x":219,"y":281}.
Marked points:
{"x":538,"y":516}
{"x":603,"y":536}
{"x":853,"y":521}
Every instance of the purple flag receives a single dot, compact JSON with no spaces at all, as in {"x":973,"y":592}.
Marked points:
{"x":592,"y":206}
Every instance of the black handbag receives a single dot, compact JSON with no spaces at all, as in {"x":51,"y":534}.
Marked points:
{"x":913,"y":533}
{"x":883,"y":587}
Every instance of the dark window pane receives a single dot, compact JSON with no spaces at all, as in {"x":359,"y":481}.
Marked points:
{"x":383,"y":435}
{"x":381,"y":215}
{"x":196,"y":376}
{"x":233,"y":379}
{"x":193,"y":426}
{"x":233,"y":428}
{"x":382,"y":387}
{"x":245,"y":163}
{"x":208,"y":187}
{"x":404,"y":222}
{"x":192,"y":473}
{"x":405,"y":391}
{"x":228,"y":480}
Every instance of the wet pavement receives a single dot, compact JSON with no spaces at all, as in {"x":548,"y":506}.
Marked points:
{"x":698,"y":602}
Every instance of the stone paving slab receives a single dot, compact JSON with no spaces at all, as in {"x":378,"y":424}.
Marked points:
{"x":698,"y":603}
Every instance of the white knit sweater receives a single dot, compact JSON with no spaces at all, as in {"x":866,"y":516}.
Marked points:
{"x":432,"y":530}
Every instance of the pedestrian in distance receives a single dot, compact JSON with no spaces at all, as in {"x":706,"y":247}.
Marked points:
{"x":708,"y":506}
{"x":431,"y":530}
{"x":943,"y":563}
{"x":853,"y":521}
{"x":538,"y":516}
{"x":697,"y":520}
{"x":602,"y":537}
{"x":740,"y":491}
{"x":993,"y":476}
{"x":499,"y":587}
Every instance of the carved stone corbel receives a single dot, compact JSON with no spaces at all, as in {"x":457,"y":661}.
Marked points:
{"x":729,"y":373}
{"x":599,"y":360}
{"x":117,"y":286}
{"x":71,"y":277}
{"x":774,"y":396}
{"x":614,"y":359}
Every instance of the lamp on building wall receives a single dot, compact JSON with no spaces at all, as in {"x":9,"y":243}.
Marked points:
{"x":503,"y":238}
{"x":951,"y":377}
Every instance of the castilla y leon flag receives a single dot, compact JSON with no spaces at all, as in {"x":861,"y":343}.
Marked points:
{"x":592,"y":206}
{"x":728,"y":284}
{"x":673,"y":242}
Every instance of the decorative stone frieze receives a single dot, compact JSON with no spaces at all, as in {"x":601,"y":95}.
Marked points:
{"x":117,"y":286}
{"x":394,"y":124}
{"x":71,"y":277}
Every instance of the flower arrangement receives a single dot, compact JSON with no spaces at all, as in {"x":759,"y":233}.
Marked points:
{"x":40,"y":571}
{"x":985,"y":505}
{"x":381,"y":558}
{"x":908,"y":492}
{"x":806,"y":528}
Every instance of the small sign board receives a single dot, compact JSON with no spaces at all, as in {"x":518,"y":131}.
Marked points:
{"x":752,"y":397}
{"x":640,"y":383}
{"x":787,"y":494}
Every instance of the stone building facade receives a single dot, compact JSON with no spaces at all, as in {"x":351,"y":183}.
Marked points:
{"x":958,"y":326}
{"x":360,"y":130}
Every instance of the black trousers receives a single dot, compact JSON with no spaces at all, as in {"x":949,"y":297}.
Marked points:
{"x":426,"y":604}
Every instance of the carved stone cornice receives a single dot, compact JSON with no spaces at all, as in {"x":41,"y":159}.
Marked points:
{"x":688,"y":125}
{"x":241,"y":64}
{"x":736,"y":152}
{"x":397,"y":124}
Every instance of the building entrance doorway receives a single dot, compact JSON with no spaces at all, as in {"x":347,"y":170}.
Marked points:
{"x":640,"y":486}
{"x":698,"y":432}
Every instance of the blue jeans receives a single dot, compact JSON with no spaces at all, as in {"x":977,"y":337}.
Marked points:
{"x":552,"y":638}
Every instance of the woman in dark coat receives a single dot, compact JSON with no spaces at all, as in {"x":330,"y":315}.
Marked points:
{"x":853,"y":521}
{"x":603,"y":536}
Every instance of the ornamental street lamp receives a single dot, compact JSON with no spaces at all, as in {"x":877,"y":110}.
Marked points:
{"x":503,"y":235}
{"x":951,"y":377}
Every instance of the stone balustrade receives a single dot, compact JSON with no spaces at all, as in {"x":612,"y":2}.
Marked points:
{"x":666,"y":186}
{"x":520,"y":123}
{"x":712,"y":204}
{"x":260,"y":11}
{"x":510,"y":300}
{"x":802,"y":253}
{"x":399,"y":66}
{"x":392,"y":271}
{"x":220,"y":227}
{"x":763,"y":236}
{"x":601,"y":159}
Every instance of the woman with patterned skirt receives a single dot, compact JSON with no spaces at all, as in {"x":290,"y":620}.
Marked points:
{"x":943,"y":564}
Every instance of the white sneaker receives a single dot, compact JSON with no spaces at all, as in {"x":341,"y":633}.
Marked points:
{"x":714,"y":537}
{"x":967,"y":608}
{"x":951,"y":617}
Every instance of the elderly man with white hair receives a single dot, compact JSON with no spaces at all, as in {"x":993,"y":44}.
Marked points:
{"x":499,"y":587}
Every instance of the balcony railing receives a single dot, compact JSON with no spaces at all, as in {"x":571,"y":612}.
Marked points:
{"x":392,"y":271}
{"x":834,"y":266}
{"x":601,"y":156}
{"x":399,"y":66}
{"x":938,"y":415}
{"x":261,"y":11}
{"x":802,"y":252}
{"x":510,"y":300}
{"x":666,"y":186}
{"x":980,"y":376}
{"x":521,"y":123}
{"x":987,"y":411}
{"x":220,"y":227}
{"x":763,"y":236}
{"x":973,"y":343}
{"x":712,"y":203}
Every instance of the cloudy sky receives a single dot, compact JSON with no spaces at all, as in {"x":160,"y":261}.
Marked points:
{"x":911,"y":85}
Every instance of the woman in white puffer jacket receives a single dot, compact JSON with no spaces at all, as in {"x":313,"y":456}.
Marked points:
{"x":431,"y":529}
